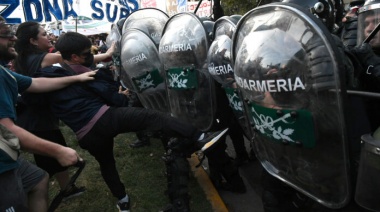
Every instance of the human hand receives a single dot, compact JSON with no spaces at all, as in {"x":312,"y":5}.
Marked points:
{"x":349,"y":31}
{"x":86,"y":76}
{"x":111,"y":49}
{"x":68,"y":157}
{"x":353,"y":13}
{"x":124,"y":92}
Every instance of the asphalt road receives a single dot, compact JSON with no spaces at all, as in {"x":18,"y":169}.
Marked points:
{"x":249,"y":201}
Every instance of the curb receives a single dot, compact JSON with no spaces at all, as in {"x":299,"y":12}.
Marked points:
{"x":208,"y":187}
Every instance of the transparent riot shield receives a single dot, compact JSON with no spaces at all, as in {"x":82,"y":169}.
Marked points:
{"x":141,"y":64}
{"x":183,"y":51}
{"x":224,"y":26}
{"x":287,"y":68}
{"x":114,"y":37}
{"x":149,"y":20}
{"x":221,"y":70}
{"x":367,"y":188}
{"x":118,"y":73}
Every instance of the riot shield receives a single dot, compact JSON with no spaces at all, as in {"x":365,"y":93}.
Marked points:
{"x":221,"y":70}
{"x":119,"y":73}
{"x":141,"y":64}
{"x":367,"y":188}
{"x":183,"y":51}
{"x":149,"y":20}
{"x":224,"y":26}
{"x":287,"y":68}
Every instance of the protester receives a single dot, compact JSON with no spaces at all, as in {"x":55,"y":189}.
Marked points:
{"x":24,"y":186}
{"x":32,"y":46}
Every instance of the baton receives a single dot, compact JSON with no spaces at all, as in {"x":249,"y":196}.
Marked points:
{"x":364,"y":94}
{"x":361,"y":93}
{"x":59,"y":197}
{"x":372,"y":34}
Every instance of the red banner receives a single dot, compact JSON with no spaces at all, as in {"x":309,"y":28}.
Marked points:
{"x":203,"y":10}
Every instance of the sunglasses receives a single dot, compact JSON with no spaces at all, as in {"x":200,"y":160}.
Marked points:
{"x":7,"y":35}
{"x":5,"y":31}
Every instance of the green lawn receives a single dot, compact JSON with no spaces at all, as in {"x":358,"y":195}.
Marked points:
{"x":142,"y":172}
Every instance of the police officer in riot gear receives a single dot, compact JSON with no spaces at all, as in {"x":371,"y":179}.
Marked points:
{"x":318,"y":60}
{"x":367,"y":51}
{"x":183,"y":51}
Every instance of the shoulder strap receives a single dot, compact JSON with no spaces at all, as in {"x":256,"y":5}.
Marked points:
{"x":8,"y":72}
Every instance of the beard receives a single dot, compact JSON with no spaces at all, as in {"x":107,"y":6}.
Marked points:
{"x":7,"y":53}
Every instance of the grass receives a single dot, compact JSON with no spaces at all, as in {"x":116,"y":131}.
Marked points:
{"x":141,"y":170}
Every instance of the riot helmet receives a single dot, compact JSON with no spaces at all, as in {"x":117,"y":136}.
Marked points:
{"x":236,"y":17}
{"x":120,"y":24}
{"x":324,"y":10}
{"x":368,"y":18}
{"x":205,"y":18}
{"x":209,"y":26}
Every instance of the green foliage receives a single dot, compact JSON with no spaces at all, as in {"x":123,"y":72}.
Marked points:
{"x":141,"y":170}
{"x":237,"y":7}
{"x":241,"y":7}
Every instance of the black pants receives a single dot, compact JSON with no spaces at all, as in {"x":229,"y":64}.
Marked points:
{"x":99,"y":141}
{"x":49,"y":164}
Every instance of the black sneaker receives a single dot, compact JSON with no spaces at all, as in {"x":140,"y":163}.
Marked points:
{"x":124,"y":206}
{"x":139,"y":143}
{"x":74,"y":191}
{"x":210,"y":140}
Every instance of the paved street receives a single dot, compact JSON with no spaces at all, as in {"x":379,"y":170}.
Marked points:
{"x":249,"y":201}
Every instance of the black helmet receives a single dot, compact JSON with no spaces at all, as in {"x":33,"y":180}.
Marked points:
{"x":209,"y":25}
{"x":120,"y":24}
{"x":236,"y":17}
{"x":324,"y":10}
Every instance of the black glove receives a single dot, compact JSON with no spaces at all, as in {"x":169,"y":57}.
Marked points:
{"x":368,"y":59}
{"x":349,"y":32}
{"x":352,"y":81}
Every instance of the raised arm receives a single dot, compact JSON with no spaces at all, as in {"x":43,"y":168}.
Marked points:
{"x":50,"y":84}
{"x":50,"y":59}
{"x":31,"y":143}
{"x":53,"y":58}
{"x":101,"y":57}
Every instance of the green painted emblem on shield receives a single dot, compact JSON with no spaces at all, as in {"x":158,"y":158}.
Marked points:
{"x":235,"y":102}
{"x":148,"y":80}
{"x":182,"y":78}
{"x":294,"y":127}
